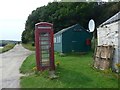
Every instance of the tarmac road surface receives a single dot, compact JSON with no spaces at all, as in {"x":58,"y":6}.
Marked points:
{"x":10,"y":63}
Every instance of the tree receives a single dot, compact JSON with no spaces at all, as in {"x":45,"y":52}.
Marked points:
{"x":65,"y":14}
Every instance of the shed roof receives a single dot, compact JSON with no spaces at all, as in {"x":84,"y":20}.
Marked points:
{"x":114,"y":18}
{"x":65,"y":29}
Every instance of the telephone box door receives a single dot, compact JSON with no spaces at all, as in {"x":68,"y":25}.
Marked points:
{"x":44,"y":47}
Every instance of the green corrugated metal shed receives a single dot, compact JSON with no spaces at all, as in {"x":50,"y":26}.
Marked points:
{"x":72,"y":39}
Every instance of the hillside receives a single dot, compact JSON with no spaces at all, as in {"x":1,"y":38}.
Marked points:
{"x":5,"y":42}
{"x":65,"y":14}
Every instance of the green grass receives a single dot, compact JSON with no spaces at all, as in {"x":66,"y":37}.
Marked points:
{"x":7,"y":48}
{"x":29,"y":46}
{"x":28,"y":64}
{"x":74,"y":71}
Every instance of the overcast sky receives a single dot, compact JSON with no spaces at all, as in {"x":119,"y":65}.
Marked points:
{"x":13,"y":15}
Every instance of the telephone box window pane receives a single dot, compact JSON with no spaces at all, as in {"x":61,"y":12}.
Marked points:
{"x":45,"y":59}
{"x":46,"y":51}
{"x":44,"y":43}
{"x":45,"y":62}
{"x":44,"y":38}
{"x":44,"y":34}
{"x":45,"y":55}
{"x":44,"y":47}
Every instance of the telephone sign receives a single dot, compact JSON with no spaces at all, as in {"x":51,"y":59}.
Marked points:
{"x":44,"y":46}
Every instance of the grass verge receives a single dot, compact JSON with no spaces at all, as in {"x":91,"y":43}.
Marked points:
{"x":29,"y":46}
{"x":74,"y":71}
{"x":7,"y":48}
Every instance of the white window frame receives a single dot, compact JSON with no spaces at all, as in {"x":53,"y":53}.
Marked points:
{"x":58,"y":39}
{"x":55,"y":40}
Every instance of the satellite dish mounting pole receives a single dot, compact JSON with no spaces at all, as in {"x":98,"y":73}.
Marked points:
{"x":91,"y":26}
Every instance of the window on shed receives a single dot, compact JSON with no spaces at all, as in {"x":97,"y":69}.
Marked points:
{"x":58,"y":39}
{"x":55,"y":40}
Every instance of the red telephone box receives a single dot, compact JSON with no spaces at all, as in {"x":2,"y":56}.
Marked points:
{"x":44,"y":46}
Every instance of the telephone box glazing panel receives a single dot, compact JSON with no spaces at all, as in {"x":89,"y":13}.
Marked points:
{"x":44,"y":47}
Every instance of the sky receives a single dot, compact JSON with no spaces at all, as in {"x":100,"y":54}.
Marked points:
{"x":13,"y":15}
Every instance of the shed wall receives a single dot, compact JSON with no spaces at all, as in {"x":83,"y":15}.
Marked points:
{"x":110,"y":35}
{"x":75,"y":41}
{"x":66,"y":41}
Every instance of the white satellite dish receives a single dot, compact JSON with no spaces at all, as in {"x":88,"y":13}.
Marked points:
{"x":91,"y":25}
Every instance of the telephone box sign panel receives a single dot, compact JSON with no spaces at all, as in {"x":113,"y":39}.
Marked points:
{"x":44,"y":27}
{"x":44,"y":46}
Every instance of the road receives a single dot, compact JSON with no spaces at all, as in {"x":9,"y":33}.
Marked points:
{"x":10,"y":63}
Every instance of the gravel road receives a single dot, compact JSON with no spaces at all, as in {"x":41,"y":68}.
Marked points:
{"x":10,"y":63}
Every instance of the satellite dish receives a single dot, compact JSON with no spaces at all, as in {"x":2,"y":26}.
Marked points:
{"x":91,"y":25}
